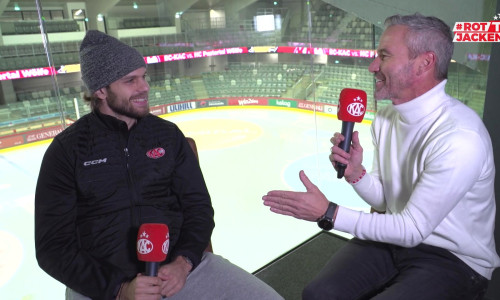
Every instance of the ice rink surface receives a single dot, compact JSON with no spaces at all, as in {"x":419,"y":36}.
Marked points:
{"x":244,"y":152}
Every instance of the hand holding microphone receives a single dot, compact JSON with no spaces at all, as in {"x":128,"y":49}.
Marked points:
{"x":152,"y":246}
{"x":351,"y":109}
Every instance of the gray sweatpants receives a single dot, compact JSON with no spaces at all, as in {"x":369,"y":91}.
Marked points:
{"x":215,"y":278}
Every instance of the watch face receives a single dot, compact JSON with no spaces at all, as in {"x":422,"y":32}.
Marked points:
{"x":325,"y":224}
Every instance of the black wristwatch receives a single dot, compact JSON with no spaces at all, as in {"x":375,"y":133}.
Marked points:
{"x":326,"y":221}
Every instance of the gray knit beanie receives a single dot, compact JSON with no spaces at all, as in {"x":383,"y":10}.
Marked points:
{"x":104,"y":59}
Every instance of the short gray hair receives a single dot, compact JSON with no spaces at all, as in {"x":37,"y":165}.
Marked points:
{"x":427,"y":34}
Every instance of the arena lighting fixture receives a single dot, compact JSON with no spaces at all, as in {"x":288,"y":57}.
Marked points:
{"x":16,"y":7}
{"x":135,"y":6}
{"x":100,"y":18}
{"x":78,"y":12}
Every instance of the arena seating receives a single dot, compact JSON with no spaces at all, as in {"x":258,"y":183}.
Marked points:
{"x":247,"y":80}
{"x":33,"y":27}
{"x":254,"y":80}
{"x":164,"y":90}
{"x":330,"y":27}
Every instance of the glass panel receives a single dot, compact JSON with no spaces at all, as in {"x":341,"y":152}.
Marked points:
{"x":255,"y":83}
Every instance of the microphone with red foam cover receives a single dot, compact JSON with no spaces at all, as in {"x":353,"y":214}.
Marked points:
{"x":351,"y":109}
{"x":152,"y":246}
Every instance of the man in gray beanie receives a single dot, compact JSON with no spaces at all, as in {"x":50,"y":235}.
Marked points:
{"x":115,"y":169}
{"x":104,"y":59}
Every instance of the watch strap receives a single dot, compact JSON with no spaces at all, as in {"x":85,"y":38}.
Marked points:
{"x":330,"y":211}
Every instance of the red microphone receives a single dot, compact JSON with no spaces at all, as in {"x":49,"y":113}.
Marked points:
{"x":152,"y":246}
{"x":351,"y":109}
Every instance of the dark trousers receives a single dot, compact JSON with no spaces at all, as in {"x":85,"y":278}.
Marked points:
{"x":372,"y":270}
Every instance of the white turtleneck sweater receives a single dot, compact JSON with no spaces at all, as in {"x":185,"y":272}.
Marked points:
{"x":433,"y":173}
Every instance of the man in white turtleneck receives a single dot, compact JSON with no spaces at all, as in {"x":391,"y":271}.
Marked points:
{"x":432,"y":176}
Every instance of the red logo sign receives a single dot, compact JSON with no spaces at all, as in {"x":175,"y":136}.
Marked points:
{"x":356,"y":109}
{"x":478,"y":31}
{"x":155,"y":153}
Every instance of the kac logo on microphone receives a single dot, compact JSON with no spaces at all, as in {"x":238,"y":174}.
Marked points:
{"x":356,"y":108}
{"x":166,"y":244}
{"x":144,"y":246}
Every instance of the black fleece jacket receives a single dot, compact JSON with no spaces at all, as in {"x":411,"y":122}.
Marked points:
{"x":98,"y":183}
